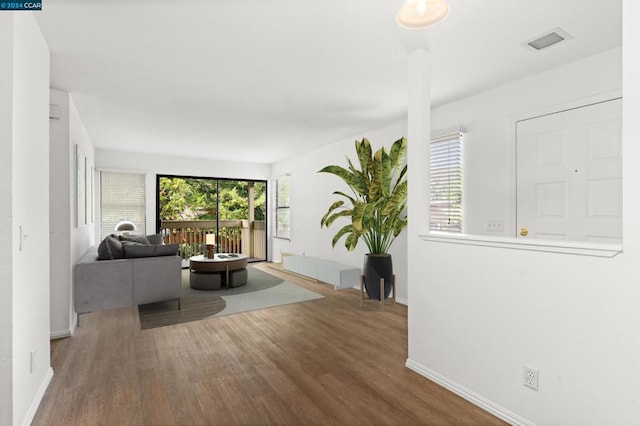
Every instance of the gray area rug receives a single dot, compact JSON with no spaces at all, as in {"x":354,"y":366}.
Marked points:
{"x":261,"y":291}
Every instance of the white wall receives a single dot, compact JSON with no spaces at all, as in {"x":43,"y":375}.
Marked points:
{"x":60,"y":183}
{"x":82,"y":237}
{"x":30,"y":193}
{"x":180,"y":164}
{"x":6,"y":224}
{"x":489,"y":147}
{"x":477,"y":315}
{"x":311,"y":196}
{"x":68,"y":242}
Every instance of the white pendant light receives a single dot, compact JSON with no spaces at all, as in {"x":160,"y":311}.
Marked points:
{"x":418,"y":14}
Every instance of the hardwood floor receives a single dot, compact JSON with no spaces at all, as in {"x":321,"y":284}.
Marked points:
{"x":325,"y":361}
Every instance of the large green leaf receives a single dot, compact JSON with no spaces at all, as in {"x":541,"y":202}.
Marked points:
{"x":352,"y":241}
{"x":403,"y":172}
{"x":377,"y":170}
{"x":360,"y":180}
{"x":398,"y":198}
{"x":398,"y":152}
{"x":333,"y":206}
{"x":341,"y":172}
{"x":350,"y":198}
{"x":363,"y":150}
{"x":344,"y":230}
{"x":400,"y":225}
{"x":357,"y":217}
{"x":387,"y":171}
{"x":334,"y":216}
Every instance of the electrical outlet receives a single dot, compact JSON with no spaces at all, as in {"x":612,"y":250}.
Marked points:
{"x":32,"y":361}
{"x":495,"y":225}
{"x":530,"y":377}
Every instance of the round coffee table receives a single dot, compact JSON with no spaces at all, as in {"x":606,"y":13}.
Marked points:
{"x":207,"y":274}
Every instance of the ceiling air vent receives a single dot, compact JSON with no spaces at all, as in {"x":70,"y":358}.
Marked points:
{"x":548,"y":39}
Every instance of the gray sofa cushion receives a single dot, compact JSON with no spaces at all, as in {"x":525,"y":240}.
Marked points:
{"x":110,"y":248}
{"x":142,"y":239}
{"x":133,"y":250}
{"x":155,"y":239}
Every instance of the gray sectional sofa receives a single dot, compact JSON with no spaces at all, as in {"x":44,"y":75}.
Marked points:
{"x":122,"y":282}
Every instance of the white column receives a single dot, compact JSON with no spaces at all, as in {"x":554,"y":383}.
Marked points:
{"x":419,"y":132}
{"x":631,"y":131}
{"x":418,"y":135}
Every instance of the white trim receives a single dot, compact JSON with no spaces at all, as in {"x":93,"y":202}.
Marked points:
{"x":33,"y":409}
{"x":123,"y":171}
{"x":471,"y":396}
{"x":577,"y":103}
{"x":449,"y":132}
{"x":74,"y":321}
{"x":59,"y":334}
{"x":582,"y":249}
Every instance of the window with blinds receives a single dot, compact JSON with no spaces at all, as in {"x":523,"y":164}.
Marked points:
{"x":122,"y":197}
{"x":283,"y":216}
{"x":446,"y":183}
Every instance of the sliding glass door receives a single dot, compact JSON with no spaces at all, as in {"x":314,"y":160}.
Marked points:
{"x":233,"y":211}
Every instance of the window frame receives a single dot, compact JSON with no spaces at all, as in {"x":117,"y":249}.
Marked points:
{"x":446,"y":170}
{"x":285,"y":207}
{"x":141,"y":221}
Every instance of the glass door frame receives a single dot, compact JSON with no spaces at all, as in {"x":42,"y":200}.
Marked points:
{"x":217,"y":219}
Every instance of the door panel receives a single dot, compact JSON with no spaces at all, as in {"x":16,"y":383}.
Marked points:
{"x":551,"y":200}
{"x":569,"y":174}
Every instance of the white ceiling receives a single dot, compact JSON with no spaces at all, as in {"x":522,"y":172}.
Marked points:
{"x":260,"y":81}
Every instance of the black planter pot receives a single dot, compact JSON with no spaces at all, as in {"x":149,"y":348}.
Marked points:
{"x":378,"y":266}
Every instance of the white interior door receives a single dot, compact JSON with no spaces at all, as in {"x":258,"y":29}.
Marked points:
{"x":569,"y":174}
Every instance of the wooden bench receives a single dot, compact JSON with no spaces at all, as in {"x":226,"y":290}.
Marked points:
{"x":338,"y":274}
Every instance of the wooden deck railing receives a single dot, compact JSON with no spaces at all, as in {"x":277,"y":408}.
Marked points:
{"x":235,"y":236}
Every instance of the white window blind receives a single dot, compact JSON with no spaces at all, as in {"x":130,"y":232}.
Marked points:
{"x":283,"y":216}
{"x":446,"y":182}
{"x":122,"y":197}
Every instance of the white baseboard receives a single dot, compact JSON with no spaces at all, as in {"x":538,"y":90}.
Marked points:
{"x":59,"y":334}
{"x":74,"y":322}
{"x":471,"y":396}
{"x":33,"y":409}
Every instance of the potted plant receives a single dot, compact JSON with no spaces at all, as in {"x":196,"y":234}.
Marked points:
{"x":376,"y":209}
